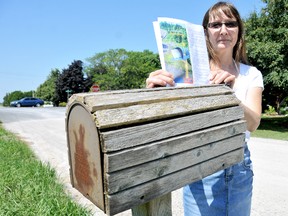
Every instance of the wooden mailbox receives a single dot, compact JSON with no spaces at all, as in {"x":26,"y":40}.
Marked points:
{"x":127,"y":148}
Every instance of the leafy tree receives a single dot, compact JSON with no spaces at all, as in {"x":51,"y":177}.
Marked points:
{"x":71,"y":81}
{"x":111,"y":60}
{"x":105,"y":68}
{"x":120,"y":69}
{"x":137,"y":67}
{"x":267,"y":45}
{"x":46,"y":90}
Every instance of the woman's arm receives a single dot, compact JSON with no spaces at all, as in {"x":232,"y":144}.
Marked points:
{"x":253,"y":108}
{"x":253,"y":103}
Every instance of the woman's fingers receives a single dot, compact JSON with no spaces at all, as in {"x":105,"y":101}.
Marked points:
{"x":221,"y":76}
{"x":230,"y":79}
{"x":159,"y":78}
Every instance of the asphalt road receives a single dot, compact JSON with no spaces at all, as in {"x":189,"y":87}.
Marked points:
{"x":44,"y":130}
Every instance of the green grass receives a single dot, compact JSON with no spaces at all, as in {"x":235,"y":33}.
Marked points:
{"x":273,"y":127}
{"x":27,"y":186}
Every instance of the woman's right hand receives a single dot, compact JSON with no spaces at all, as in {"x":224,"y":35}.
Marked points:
{"x":159,"y":78}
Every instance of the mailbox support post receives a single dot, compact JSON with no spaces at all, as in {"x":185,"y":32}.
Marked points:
{"x":158,"y":206}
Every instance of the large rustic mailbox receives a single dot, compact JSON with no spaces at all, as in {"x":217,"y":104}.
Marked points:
{"x":129,"y":147}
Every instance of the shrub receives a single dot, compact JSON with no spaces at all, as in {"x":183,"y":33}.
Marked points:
{"x":270,"y":111}
{"x":62,"y":104}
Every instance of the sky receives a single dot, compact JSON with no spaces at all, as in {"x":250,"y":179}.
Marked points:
{"x":37,"y":36}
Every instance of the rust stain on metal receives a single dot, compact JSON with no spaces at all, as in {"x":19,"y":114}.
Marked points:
{"x":82,"y":169}
{"x":95,"y":171}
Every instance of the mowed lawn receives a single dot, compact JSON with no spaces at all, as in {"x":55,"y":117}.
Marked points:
{"x":273,"y":127}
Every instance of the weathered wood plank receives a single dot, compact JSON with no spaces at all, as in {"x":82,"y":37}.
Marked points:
{"x":113,"y":99}
{"x":124,"y":179}
{"x":165,"y":109}
{"x":163,"y":148}
{"x":145,"y":192}
{"x":128,"y":98}
{"x":115,"y":140}
{"x":156,"y":207}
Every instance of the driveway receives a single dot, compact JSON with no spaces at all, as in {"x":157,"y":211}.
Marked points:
{"x":44,"y":130}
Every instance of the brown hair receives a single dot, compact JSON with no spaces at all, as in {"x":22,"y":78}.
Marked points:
{"x":239,"y":50}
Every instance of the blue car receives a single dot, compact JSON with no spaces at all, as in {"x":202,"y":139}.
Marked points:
{"x":27,"y":102}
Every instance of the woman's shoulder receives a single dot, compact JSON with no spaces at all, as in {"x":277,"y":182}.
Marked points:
{"x":249,"y":70}
{"x":251,"y":75}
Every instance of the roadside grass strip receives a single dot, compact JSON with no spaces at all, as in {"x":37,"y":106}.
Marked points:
{"x":27,"y":186}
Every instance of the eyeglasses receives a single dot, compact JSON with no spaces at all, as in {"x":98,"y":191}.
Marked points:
{"x":218,"y":25}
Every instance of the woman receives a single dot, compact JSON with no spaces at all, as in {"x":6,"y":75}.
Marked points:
{"x":229,"y":191}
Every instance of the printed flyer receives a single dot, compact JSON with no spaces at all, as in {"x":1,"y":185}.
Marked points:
{"x":182,"y":50}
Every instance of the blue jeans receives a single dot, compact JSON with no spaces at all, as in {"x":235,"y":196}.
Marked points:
{"x":224,"y":193}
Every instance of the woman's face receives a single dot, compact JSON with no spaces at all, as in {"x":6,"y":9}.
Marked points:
{"x":223,"y":33}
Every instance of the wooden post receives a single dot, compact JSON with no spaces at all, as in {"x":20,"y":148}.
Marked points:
{"x":156,"y":207}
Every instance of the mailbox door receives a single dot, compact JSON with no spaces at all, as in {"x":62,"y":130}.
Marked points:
{"x":85,"y":154}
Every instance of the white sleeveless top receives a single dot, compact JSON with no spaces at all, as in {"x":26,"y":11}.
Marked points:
{"x":249,"y":77}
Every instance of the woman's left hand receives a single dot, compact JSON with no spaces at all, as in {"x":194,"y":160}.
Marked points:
{"x":222,"y":76}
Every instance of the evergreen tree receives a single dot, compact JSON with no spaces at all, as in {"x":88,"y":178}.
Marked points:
{"x":71,"y":81}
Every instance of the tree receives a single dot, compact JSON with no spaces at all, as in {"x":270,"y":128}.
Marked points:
{"x":137,"y":67}
{"x":121,"y":69}
{"x":71,"y":81}
{"x":46,"y":90}
{"x":105,"y":68}
{"x":267,"y":45}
